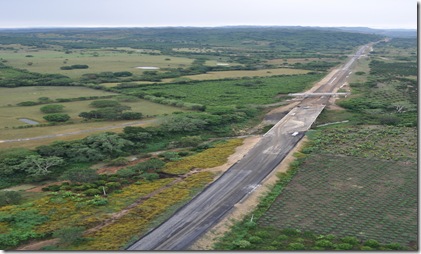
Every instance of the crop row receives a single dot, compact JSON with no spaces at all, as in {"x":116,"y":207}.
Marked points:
{"x":350,"y":196}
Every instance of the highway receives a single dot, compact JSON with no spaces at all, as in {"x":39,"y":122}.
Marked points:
{"x":192,"y":220}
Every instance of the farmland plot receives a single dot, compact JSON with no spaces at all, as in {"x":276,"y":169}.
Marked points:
{"x":341,"y":195}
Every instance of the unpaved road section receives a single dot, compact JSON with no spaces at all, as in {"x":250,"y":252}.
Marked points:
{"x":217,"y":200}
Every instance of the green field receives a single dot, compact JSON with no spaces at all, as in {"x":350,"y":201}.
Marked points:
{"x":101,"y":60}
{"x":342,"y":195}
{"x":12,"y":96}
{"x":239,"y":74}
{"x":255,"y":91}
{"x":10,"y":113}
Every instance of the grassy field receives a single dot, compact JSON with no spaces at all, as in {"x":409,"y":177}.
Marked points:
{"x":239,"y":74}
{"x":10,"y":115}
{"x":101,"y":60}
{"x":12,"y":96}
{"x":232,"y":92}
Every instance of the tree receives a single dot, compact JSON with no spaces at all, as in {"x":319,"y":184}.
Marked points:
{"x":108,"y":143}
{"x":52,"y":108}
{"x":57,"y":117}
{"x":80,"y":175}
{"x":11,"y":159}
{"x":181,"y":123}
{"x":10,"y":198}
{"x":36,"y":165}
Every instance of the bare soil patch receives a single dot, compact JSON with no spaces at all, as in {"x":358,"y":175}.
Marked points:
{"x":39,"y":245}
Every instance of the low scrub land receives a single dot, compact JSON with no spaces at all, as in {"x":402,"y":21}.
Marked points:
{"x":256,"y":91}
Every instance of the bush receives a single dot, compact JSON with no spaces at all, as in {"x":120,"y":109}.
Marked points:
{"x":92,"y":192}
{"x":28,"y":103}
{"x":394,"y":246}
{"x":324,"y":243}
{"x":69,"y":235}
{"x":242,"y":244}
{"x":126,"y":172}
{"x":120,"y":161}
{"x":344,"y":246}
{"x":291,"y":231}
{"x":350,"y":239}
{"x":53,"y":187}
{"x":113,"y":185}
{"x":150,"y":176}
{"x":255,"y":239}
{"x":57,"y":117}
{"x":81,"y":175}
{"x":296,"y":246}
{"x":10,"y":198}
{"x":372,"y":243}
{"x":53,"y":108}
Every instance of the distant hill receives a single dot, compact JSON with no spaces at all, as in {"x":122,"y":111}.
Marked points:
{"x":385,"y":32}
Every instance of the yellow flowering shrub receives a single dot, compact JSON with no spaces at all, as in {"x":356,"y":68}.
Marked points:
{"x":136,"y":222}
{"x":209,"y":158}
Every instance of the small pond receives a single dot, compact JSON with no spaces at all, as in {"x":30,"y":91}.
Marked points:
{"x":28,"y":121}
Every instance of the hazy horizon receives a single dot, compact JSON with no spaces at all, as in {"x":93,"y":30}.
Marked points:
{"x":386,"y":14}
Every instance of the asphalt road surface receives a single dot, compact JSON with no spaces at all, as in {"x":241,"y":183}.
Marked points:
{"x":192,"y":220}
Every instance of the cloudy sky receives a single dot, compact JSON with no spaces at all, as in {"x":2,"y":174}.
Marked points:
{"x":140,"y":13}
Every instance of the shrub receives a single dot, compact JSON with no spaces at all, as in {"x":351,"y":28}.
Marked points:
{"x":372,"y":243}
{"x":242,"y":244}
{"x":10,"y":198}
{"x":350,"y":239}
{"x":126,"y":172}
{"x":394,"y":246}
{"x":92,"y":192}
{"x":52,"y":108}
{"x":57,"y":117}
{"x":296,"y":246}
{"x":113,"y":185}
{"x":53,"y":187}
{"x":120,"y":161}
{"x":255,"y":239}
{"x":291,"y":231}
{"x":150,"y":176}
{"x":98,"y":201}
{"x":69,"y":235}
{"x":28,"y":103}
{"x":344,"y":246}
{"x":282,"y":237}
{"x":324,"y":243}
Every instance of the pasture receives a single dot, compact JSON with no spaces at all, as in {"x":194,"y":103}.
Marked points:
{"x":100,"y":60}
{"x":239,"y":74}
{"x":256,"y":91}
{"x":12,"y":96}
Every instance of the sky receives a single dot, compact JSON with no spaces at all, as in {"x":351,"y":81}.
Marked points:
{"x":208,"y":13}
